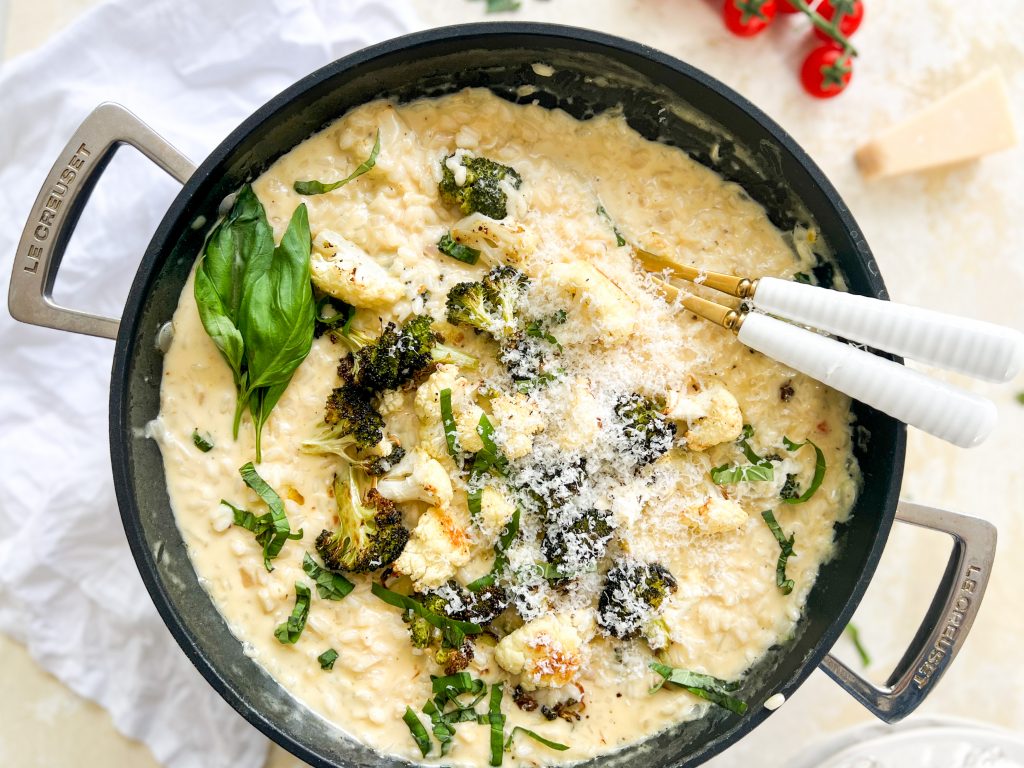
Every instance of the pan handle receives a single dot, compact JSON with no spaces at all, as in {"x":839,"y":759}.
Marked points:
{"x":60,"y":203}
{"x":945,"y":626}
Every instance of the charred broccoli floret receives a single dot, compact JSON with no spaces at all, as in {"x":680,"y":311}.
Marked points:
{"x":381,"y":465}
{"x":647,"y":431}
{"x":398,"y":355}
{"x":492,"y":305}
{"x":370,"y":533}
{"x":633,"y":592}
{"x":576,"y":547}
{"x":424,"y":635}
{"x":481,"y":191}
{"x":351,"y":424}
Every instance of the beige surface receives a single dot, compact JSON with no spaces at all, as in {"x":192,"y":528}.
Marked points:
{"x":947,"y":239}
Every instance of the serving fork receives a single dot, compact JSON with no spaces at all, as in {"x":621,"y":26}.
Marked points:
{"x":798,"y":340}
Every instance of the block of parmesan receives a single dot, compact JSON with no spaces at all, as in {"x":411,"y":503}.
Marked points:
{"x":971,"y":121}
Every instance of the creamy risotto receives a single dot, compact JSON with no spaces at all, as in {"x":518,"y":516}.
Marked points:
{"x":551,"y":477}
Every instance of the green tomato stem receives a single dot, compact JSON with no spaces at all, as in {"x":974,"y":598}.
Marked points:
{"x":830,"y":28}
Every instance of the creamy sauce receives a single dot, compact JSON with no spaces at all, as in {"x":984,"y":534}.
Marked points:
{"x":727,"y":610}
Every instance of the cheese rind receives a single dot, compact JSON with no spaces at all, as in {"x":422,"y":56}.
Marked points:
{"x":971,"y":121}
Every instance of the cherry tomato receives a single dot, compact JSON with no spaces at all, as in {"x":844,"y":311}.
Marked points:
{"x":851,"y":13}
{"x":745,"y":18}
{"x":826,"y":72}
{"x":784,"y":6}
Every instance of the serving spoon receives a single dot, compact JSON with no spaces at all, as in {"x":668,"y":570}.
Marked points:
{"x":978,"y":349}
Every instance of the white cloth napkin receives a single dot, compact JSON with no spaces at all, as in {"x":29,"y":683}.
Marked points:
{"x":69,"y":589}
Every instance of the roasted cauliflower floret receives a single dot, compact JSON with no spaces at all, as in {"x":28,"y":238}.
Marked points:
{"x":439,"y":545}
{"x":496,"y":509}
{"x":464,"y":409}
{"x":712,"y":416}
{"x":345,"y":271}
{"x":417,"y":477}
{"x":610,"y":309}
{"x":498,"y":242}
{"x":713,"y":515}
{"x":518,"y":420}
{"x":546,"y":652}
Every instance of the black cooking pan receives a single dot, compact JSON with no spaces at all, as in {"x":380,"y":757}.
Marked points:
{"x":662,"y":98}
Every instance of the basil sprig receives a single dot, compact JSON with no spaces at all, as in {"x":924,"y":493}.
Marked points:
{"x":786,"y":546}
{"x":454,"y":631}
{"x":449,"y":246}
{"x":501,"y":546}
{"x":290,"y":630}
{"x":329,"y":586}
{"x":705,"y":686}
{"x":202,"y":440}
{"x":256,"y":303}
{"x":327,"y":659}
{"x":759,"y":469}
{"x":271,"y":529}
{"x":319,"y":187}
{"x":819,"y":472}
{"x":418,"y":731}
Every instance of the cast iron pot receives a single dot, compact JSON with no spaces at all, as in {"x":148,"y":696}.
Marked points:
{"x":662,"y":98}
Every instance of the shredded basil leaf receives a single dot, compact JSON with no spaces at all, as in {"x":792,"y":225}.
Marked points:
{"x":449,"y":246}
{"x":327,"y":659}
{"x":619,"y":239}
{"x":758,"y":470}
{"x":342,"y":316}
{"x":786,"y":545}
{"x":290,"y":630}
{"x":444,"y":732}
{"x":202,"y":441}
{"x":329,"y":585}
{"x":419,"y":733}
{"x":454,"y":631}
{"x":707,"y":687}
{"x":497,"y":722}
{"x":271,"y":543}
{"x":451,"y":429}
{"x":854,"y":634}
{"x":536,"y":737}
{"x":453,"y":685}
{"x":819,"y":470}
{"x":487,"y":458}
{"x":501,"y":546}
{"x":1020,"y":398}
{"x":319,"y":187}
{"x":802,"y":277}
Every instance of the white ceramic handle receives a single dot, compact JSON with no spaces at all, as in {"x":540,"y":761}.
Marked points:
{"x":928,"y":404}
{"x":979,"y":349}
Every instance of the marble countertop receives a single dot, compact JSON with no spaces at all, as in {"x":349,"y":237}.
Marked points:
{"x":947,"y":239}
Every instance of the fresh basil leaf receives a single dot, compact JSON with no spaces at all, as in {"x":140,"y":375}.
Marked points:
{"x":449,"y":246}
{"x":802,"y":277}
{"x":277,"y":312}
{"x":786,"y":546}
{"x":261,"y":403}
{"x":497,"y":6}
{"x":707,"y":687}
{"x":202,"y":441}
{"x":327,"y":659}
{"x":501,"y":546}
{"x":854,"y":635}
{"x":278,"y":517}
{"x":238,"y":251}
{"x":418,"y":731}
{"x":490,"y":456}
{"x":536,"y":737}
{"x":319,"y":187}
{"x":342,"y":314}
{"x":290,"y":630}
{"x":451,"y":686}
{"x":442,"y":727}
{"x":819,"y":470}
{"x":329,"y":585}
{"x":454,"y":631}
